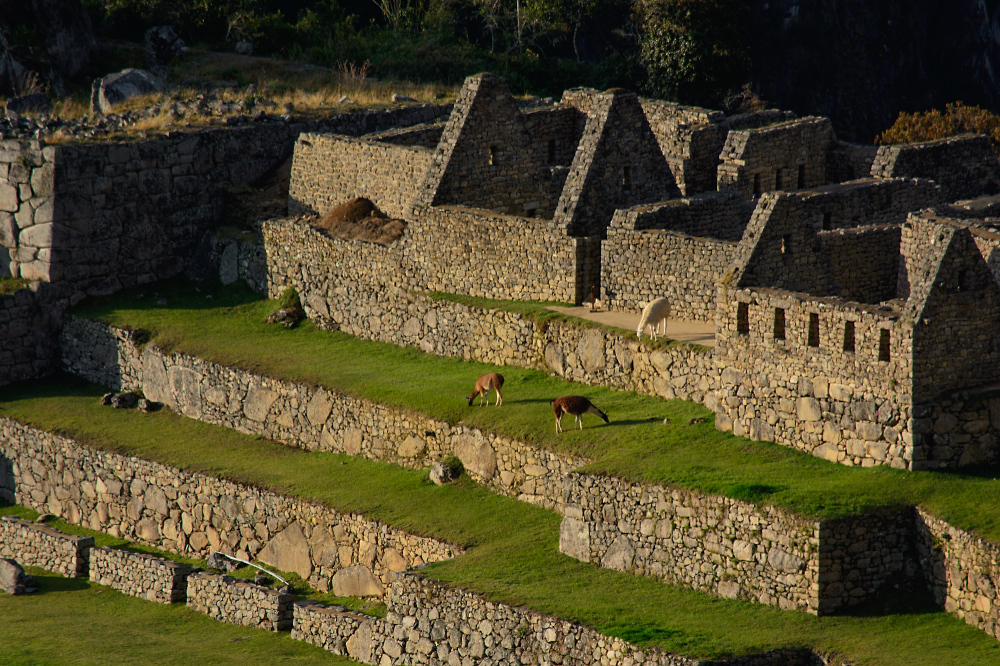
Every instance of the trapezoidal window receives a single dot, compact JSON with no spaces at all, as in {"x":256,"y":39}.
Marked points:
{"x":756,"y":184}
{"x":779,"y":179}
{"x":552,"y":151}
{"x":883,"y":345}
{"x":849,"y":337}
{"x":743,"y":319}
{"x":813,"y":329}
{"x":627,"y":179}
{"x":827,"y":221}
{"x":779,"y":323}
{"x":494,"y":155}
{"x":802,"y":176}
{"x":963,"y":281}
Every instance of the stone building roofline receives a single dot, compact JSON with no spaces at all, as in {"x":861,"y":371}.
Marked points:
{"x":889,"y":310}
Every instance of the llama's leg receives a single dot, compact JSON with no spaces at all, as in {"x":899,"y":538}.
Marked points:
{"x":499,"y":397}
{"x":579,"y":421}
{"x":558,"y":425}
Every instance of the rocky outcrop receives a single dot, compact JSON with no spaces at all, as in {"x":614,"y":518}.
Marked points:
{"x":13,"y":580}
{"x":117,"y":88}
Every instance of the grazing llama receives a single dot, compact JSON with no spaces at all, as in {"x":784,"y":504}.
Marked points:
{"x":576,"y":405}
{"x":652,"y":315}
{"x":491,"y":380}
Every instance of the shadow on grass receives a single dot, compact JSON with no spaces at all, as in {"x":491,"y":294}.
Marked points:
{"x":179,"y":293}
{"x":989,"y":472}
{"x":49,"y":583}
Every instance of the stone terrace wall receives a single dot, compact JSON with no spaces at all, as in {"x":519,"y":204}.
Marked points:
{"x":640,"y":266}
{"x":240,"y":602}
{"x":865,"y":261}
{"x":310,"y":418}
{"x":964,"y":166}
{"x":328,"y":170}
{"x":140,"y":575}
{"x":29,"y":325}
{"x":428,"y":622}
{"x":195,"y":514}
{"x":38,"y":545}
{"x":715,"y":544}
{"x":363,"y":305}
{"x":107,"y":216}
{"x":762,"y":155}
{"x":474,"y":252}
{"x":844,"y":406}
{"x":962,"y":570}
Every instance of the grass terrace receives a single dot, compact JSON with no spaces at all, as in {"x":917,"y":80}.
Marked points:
{"x":648,"y":439}
{"x":516,"y":566}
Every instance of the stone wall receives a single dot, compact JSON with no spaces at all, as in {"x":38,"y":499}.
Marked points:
{"x":108,"y":216}
{"x":640,"y":266}
{"x":241,"y":602}
{"x":426,"y":135}
{"x":194,"y":514}
{"x":328,"y":170}
{"x":865,"y":202}
{"x":840,"y":404}
{"x":430,"y":623}
{"x":962,"y":570}
{"x":865,"y":261}
{"x":38,"y":545}
{"x":964,"y":166}
{"x":715,"y":544}
{"x":556,"y":131}
{"x":475,"y":252}
{"x":849,"y":161}
{"x":140,"y":575}
{"x":786,"y":156}
{"x":29,"y":325}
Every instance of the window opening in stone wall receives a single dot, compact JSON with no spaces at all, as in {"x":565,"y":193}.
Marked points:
{"x":849,"y":337}
{"x":552,"y":151}
{"x":779,"y":323}
{"x":756,"y":184}
{"x":786,"y":244}
{"x":493,"y":155}
{"x":627,"y":179}
{"x":883,"y":345}
{"x":743,"y":319}
{"x":827,"y":221}
{"x":779,"y":179}
{"x":802,"y":176}
{"x":813,"y":329}
{"x":963,"y":280}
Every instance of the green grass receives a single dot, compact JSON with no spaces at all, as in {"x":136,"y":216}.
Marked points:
{"x":10,"y":285}
{"x":636,"y":445}
{"x":519,"y":566}
{"x":73,"y":621}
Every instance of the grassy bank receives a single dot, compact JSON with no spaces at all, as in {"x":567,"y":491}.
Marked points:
{"x":648,"y":439}
{"x":519,"y":566}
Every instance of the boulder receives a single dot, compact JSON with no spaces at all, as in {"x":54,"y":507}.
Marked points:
{"x":162,"y":46}
{"x":355,"y":582}
{"x":476,"y":454}
{"x":244,"y":48}
{"x":18,"y":106}
{"x":13,"y":580}
{"x":217,"y":560}
{"x":288,"y":551}
{"x":441,"y":474}
{"x":124,"y":400}
{"x":122,"y":86}
{"x":396,"y":97}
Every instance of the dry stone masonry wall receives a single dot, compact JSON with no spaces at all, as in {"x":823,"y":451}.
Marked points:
{"x":140,"y":575}
{"x":241,"y":602}
{"x":964,"y":167}
{"x":428,"y":623}
{"x":29,"y":331}
{"x":328,"y":170}
{"x":38,"y":545}
{"x":195,"y":514}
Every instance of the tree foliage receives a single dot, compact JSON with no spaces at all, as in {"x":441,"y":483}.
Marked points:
{"x":694,"y":51}
{"x":931,"y":125}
